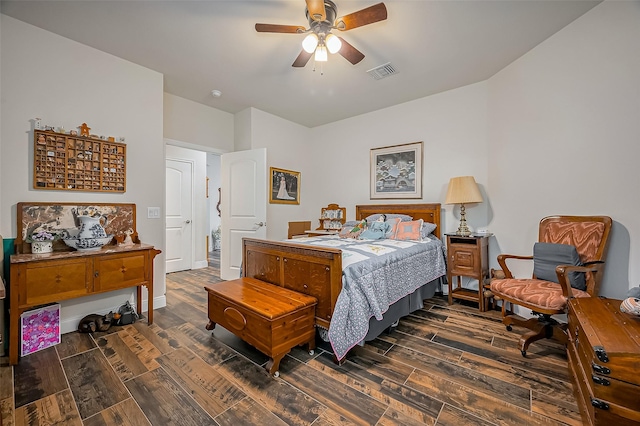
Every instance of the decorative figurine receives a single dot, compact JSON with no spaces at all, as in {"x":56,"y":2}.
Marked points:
{"x":84,"y":130}
{"x":128,"y":241}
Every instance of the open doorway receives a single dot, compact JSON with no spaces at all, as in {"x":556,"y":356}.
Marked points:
{"x":214,"y":197}
{"x":192,"y":182}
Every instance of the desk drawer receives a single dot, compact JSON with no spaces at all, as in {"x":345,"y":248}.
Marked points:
{"x":64,"y":280}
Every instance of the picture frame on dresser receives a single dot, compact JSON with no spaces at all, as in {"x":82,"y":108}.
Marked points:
{"x":284,"y":187}
{"x":396,"y":171}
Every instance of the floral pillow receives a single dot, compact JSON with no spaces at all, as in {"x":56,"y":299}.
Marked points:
{"x":409,"y":230}
{"x":352,"y":231}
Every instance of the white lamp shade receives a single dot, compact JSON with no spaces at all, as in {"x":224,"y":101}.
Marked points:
{"x":462,"y":190}
{"x":310,"y":43}
{"x":321,"y":54}
{"x":333,"y":43}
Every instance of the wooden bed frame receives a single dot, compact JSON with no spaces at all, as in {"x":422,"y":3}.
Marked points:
{"x":317,"y":271}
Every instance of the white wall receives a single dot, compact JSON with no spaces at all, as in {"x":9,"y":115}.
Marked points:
{"x":197,"y":126}
{"x":452,"y":127}
{"x":66,"y":83}
{"x":289,"y":147}
{"x":563,"y":133}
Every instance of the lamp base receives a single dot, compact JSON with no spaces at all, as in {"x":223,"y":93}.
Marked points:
{"x":463,"y":229}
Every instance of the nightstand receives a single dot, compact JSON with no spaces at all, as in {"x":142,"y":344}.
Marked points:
{"x":467,"y":257}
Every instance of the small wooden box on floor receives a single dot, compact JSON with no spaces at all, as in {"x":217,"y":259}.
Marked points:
{"x":271,"y":318}
{"x":604,"y":361}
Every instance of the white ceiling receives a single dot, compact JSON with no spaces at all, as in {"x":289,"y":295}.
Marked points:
{"x":203,"y":45}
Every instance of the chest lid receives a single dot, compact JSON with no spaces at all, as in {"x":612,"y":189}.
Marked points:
{"x":612,"y":337}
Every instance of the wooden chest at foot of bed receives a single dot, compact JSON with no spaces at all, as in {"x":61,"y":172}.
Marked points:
{"x":604,"y":361}
{"x":271,"y":318}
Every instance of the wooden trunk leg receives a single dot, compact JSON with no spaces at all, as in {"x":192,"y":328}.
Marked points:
{"x":210,"y":325}
{"x":311,"y":345}
{"x":274,"y":363}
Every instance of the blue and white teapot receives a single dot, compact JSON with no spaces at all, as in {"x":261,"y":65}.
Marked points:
{"x":92,"y":227}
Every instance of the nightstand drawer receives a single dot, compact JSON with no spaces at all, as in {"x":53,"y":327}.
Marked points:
{"x":467,"y":257}
{"x":463,"y":260}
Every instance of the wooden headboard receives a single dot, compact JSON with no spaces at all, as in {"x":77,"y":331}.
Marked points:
{"x":428,"y":212}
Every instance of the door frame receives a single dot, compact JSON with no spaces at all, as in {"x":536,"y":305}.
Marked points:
{"x":199,"y":227}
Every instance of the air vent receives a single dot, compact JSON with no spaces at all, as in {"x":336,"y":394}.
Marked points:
{"x":385,"y":70}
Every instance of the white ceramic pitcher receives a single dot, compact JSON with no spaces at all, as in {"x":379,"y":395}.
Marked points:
{"x":92,"y":227}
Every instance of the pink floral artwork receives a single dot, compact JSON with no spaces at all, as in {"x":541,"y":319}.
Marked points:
{"x":40,"y":329}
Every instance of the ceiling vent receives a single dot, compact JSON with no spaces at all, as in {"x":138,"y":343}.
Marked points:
{"x":385,"y":70}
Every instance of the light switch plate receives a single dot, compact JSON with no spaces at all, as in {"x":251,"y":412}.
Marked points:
{"x":153,"y":212}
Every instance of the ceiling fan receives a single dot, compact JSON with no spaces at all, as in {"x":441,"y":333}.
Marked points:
{"x":321,"y":15}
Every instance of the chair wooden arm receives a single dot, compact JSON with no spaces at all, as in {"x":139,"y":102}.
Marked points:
{"x":563,"y":271}
{"x":502,"y":261}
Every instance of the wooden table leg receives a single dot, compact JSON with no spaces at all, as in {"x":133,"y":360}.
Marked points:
{"x":14,"y":334}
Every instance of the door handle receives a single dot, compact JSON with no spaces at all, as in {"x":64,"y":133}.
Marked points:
{"x":187,"y":221}
{"x":259,"y":224}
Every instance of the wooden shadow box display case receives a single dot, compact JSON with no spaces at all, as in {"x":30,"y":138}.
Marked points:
{"x":332,"y":217}
{"x":78,"y":163}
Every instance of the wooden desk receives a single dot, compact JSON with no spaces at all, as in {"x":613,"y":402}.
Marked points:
{"x":39,"y":279}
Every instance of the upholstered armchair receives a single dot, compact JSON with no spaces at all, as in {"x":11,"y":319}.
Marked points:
{"x":568,"y":262}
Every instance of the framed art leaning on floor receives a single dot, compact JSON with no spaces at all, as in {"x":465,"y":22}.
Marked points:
{"x":284,"y":187}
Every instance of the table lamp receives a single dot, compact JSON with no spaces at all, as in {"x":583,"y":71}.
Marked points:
{"x":463,"y":190}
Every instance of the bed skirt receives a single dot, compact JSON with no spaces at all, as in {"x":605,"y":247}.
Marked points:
{"x":410,"y":303}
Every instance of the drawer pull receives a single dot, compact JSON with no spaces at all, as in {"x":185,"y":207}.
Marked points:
{"x":600,"y":369}
{"x":601,"y":353}
{"x":305,"y":286}
{"x":600,"y":380}
{"x":599,"y":404}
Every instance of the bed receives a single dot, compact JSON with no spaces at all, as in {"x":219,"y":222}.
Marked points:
{"x":345,"y":300}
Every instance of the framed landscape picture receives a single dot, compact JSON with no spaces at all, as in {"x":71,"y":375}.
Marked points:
{"x":396,"y":171}
{"x":285,"y":186}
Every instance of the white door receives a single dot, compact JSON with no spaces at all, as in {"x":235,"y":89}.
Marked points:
{"x":243,"y":205}
{"x":178,"y":209}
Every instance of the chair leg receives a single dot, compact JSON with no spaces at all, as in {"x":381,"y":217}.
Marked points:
{"x":543,"y":327}
{"x":540,"y":331}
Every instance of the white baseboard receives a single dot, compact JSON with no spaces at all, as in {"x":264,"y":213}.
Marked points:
{"x":68,"y":325}
{"x":200,"y":264}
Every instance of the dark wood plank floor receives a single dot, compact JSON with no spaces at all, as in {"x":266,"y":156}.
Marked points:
{"x":444,"y":365}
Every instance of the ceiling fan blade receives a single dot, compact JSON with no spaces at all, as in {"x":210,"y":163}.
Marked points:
{"x":369,"y":15}
{"x":275,"y":28}
{"x":350,"y":53}
{"x":302,"y":59}
{"x":316,"y":10}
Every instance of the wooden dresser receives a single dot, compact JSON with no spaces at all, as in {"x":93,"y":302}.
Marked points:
{"x":39,"y":279}
{"x":604,"y":361}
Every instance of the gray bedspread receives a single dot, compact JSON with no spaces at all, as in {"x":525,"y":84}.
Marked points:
{"x":375,"y":274}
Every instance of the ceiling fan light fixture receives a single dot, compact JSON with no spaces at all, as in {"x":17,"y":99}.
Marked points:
{"x":333,"y":43}
{"x":321,"y":54}
{"x":310,"y":43}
